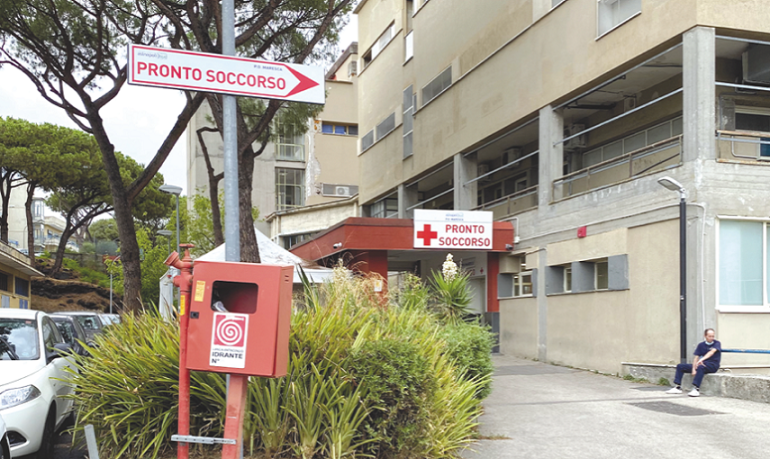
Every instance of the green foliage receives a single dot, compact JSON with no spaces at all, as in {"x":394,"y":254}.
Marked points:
{"x":469,"y":345}
{"x":452,"y":295}
{"x":153,"y":267}
{"x":104,"y":230}
{"x":85,"y":274}
{"x":397,"y":378}
{"x":363,"y":379}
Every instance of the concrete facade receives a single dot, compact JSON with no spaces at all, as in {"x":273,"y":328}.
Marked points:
{"x":565,"y":131}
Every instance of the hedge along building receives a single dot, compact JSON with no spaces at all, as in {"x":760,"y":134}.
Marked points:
{"x":560,"y":117}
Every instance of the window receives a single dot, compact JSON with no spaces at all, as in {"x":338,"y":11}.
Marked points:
{"x":612,"y":13}
{"x":522,"y":284}
{"x":289,"y":188}
{"x":568,"y":279}
{"x":386,"y":126}
{"x":5,"y":282}
{"x":291,"y":143}
{"x":408,"y":120}
{"x":437,"y":86}
{"x":23,"y":304}
{"x":380,"y":44}
{"x":634,"y":142}
{"x":409,"y":46}
{"x":5,"y":301}
{"x":22,"y":287}
{"x":385,"y":208}
{"x":743,"y":275}
{"x":754,"y":119}
{"x":294,"y":239}
{"x":367,"y":140}
{"x":601,"y":281}
{"x":339,"y":129}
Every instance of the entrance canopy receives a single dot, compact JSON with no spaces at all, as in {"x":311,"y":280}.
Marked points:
{"x":375,"y":234}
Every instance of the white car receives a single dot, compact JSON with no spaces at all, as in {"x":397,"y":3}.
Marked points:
{"x":32,"y":401}
{"x":5,"y":448}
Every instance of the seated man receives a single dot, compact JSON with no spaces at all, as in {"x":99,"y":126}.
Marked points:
{"x":707,"y":357}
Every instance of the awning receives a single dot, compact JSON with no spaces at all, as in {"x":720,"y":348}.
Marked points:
{"x":16,"y":260}
{"x":368,"y":234}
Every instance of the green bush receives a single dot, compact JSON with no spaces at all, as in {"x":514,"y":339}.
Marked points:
{"x":469,"y":345}
{"x":397,"y":379}
{"x":364,"y":378}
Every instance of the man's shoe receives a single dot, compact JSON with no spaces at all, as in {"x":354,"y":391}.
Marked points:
{"x":694,"y":393}
{"x":674,"y":390}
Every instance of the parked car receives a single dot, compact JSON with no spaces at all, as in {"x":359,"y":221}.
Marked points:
{"x":33,"y":399}
{"x":90,"y":322}
{"x":5,"y":448}
{"x":72,"y":332}
{"x":110,"y":319}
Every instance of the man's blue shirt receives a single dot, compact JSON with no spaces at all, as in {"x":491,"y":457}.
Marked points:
{"x":703,"y":348}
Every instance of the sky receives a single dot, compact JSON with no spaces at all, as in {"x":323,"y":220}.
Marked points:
{"x":137,"y":120}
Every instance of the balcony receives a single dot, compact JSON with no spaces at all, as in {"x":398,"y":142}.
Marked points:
{"x":653,"y":158}
{"x":512,"y":204}
{"x":743,"y":146}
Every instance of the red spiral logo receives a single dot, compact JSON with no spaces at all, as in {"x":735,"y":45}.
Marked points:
{"x":229,"y":332}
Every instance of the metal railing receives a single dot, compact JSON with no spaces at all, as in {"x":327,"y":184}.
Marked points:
{"x":652,"y":158}
{"x":743,"y":145}
{"x":512,"y":204}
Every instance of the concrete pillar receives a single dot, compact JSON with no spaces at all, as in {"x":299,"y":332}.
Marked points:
{"x":407,"y":197}
{"x":699,"y":84}
{"x":542,"y":310}
{"x":551,"y":158}
{"x":699,"y":119}
{"x":465,"y":168}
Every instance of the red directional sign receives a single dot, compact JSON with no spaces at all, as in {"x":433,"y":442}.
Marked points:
{"x":238,"y":76}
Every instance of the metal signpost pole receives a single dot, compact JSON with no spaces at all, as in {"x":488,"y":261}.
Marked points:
{"x":236,"y":384}
{"x":230,"y":137}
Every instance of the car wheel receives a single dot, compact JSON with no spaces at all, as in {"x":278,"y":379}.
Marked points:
{"x":47,"y":443}
{"x":3,"y":449}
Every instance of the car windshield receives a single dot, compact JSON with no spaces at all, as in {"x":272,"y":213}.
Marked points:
{"x":88,"y":322}
{"x":19,"y":339}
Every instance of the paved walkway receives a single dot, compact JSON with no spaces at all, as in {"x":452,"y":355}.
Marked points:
{"x":544,"y":411}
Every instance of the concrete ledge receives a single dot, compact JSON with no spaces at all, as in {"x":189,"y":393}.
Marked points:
{"x":755,"y":388}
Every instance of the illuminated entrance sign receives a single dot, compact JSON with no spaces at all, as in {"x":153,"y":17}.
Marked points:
{"x":452,"y":229}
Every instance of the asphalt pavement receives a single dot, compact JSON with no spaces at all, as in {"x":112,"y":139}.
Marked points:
{"x":545,"y":411}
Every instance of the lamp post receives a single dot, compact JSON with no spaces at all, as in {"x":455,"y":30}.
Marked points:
{"x":176,"y":191}
{"x":673,"y":185}
{"x":168,"y":234}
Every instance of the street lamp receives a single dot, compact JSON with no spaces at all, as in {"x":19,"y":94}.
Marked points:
{"x":168,"y":234}
{"x":176,"y":191}
{"x":673,"y":185}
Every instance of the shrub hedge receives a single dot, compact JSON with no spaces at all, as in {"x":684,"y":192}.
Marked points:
{"x":365,"y":379}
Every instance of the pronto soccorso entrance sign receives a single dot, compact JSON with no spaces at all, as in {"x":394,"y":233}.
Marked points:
{"x":452,"y":229}
{"x":236,"y":76}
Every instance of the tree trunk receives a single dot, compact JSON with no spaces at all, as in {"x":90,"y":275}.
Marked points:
{"x":129,"y":248}
{"x":5,"y":194}
{"x":30,"y":224}
{"x":216,"y":214}
{"x":59,"y":258}
{"x":249,"y":245}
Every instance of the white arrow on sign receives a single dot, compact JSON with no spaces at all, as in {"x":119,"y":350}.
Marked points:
{"x":193,"y":71}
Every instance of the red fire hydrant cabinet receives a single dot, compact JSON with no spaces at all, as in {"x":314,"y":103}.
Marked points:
{"x":240,"y":317}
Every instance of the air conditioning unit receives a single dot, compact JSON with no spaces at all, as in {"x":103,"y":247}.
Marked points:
{"x":756,"y":64}
{"x":344,"y":191}
{"x":577,"y":142}
{"x":629,"y":103}
{"x":482,"y":169}
{"x":511,"y":154}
